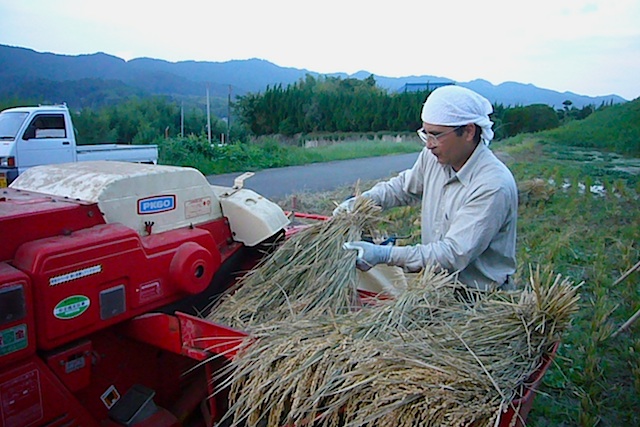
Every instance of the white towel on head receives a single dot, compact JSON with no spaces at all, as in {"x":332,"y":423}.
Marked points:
{"x":456,"y":106}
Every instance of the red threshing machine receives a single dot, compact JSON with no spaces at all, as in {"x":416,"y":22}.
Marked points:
{"x":100,"y":264}
{"x":103,"y":266}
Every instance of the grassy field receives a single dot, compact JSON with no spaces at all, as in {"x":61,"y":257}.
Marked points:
{"x":579,"y":215}
{"x":586,"y":226}
{"x":270,"y":154}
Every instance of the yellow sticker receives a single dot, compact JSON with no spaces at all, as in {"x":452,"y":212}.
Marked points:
{"x":110,"y":396}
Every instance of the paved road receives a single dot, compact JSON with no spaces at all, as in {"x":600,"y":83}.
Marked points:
{"x":280,"y":182}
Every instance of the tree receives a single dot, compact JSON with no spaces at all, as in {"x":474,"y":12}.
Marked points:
{"x":532,"y":118}
{"x":329,"y":104}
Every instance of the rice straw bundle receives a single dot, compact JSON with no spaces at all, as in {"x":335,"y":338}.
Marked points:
{"x":534,"y":190}
{"x":307,"y":275}
{"x":426,"y":358}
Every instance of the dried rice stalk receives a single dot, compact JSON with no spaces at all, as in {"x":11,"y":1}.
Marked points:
{"x":426,"y":358}
{"x":534,"y":191}
{"x":307,"y":275}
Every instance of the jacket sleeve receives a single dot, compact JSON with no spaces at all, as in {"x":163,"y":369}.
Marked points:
{"x":403,"y":189}
{"x":469,"y":235}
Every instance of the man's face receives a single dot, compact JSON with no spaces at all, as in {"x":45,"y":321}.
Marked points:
{"x":449,"y":147}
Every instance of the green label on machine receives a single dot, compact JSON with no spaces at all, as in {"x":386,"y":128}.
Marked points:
{"x":71,"y":307}
{"x":13,"y":339}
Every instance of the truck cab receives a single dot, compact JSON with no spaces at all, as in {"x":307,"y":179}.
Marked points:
{"x":34,"y":136}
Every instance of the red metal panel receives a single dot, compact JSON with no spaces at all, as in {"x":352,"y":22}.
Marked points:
{"x":157,"y":329}
{"x":120,"y":361}
{"x":221,"y":233}
{"x":71,"y":275}
{"x":162,"y":418}
{"x":17,"y":331}
{"x":26,"y":216}
{"x":31,"y":395}
{"x":185,"y":334}
{"x":516,"y":414}
{"x":201,"y":338}
{"x":68,"y":274}
{"x":72,"y":365}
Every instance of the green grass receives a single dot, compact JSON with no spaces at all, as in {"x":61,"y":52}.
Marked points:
{"x":352,"y":150}
{"x":594,"y":239}
{"x":615,"y":128}
{"x":268,"y":154}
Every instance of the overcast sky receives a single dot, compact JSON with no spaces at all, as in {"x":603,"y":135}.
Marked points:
{"x":590,"y":47}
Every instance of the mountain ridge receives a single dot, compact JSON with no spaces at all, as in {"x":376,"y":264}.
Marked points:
{"x":26,"y":71}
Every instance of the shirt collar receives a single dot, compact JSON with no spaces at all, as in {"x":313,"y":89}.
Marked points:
{"x":466,"y":171}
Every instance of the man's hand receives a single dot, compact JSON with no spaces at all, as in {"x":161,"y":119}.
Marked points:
{"x":369,"y":255}
{"x":349,"y":204}
{"x":345,"y":207}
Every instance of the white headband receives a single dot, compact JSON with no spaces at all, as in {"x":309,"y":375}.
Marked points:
{"x":456,"y":106}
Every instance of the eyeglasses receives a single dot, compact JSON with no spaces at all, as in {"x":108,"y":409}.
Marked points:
{"x":433,"y":139}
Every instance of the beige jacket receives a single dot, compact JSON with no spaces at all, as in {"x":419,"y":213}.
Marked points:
{"x":468,"y":218}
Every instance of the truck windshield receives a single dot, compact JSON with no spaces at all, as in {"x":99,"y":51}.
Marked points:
{"x":10,"y":122}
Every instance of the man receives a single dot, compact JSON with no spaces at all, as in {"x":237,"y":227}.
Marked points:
{"x":469,"y":197}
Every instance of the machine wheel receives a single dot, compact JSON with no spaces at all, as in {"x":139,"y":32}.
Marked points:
{"x":192,"y":267}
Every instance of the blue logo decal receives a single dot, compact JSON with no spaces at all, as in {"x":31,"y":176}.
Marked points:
{"x":156,"y":204}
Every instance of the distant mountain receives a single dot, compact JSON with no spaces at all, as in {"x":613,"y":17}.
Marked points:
{"x":99,"y":79}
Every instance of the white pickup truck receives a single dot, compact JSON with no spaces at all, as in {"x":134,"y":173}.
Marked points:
{"x":32,"y":136}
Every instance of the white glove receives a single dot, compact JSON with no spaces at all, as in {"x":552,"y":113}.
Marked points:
{"x":345,"y":207}
{"x":348,"y":205}
{"x":369,"y":255}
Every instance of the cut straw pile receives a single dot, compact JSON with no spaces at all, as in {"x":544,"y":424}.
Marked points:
{"x":434,"y":356}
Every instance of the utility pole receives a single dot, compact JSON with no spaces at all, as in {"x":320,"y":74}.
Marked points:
{"x":208,"y":116}
{"x":182,"y":120}
{"x":229,"y":116}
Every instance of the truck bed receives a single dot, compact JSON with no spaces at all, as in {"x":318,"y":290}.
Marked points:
{"x":118,"y":152}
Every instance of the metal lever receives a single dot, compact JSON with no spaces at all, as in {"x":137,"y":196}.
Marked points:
{"x":238,"y":183}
